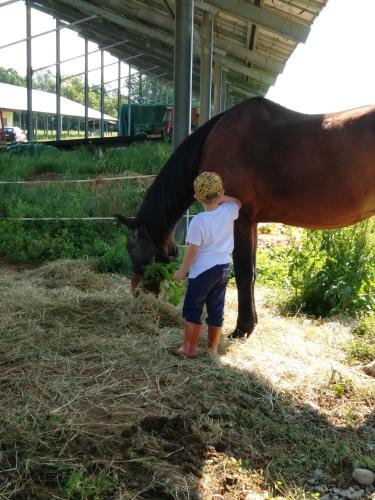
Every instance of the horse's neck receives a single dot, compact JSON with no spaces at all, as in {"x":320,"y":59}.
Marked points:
{"x":168,"y":198}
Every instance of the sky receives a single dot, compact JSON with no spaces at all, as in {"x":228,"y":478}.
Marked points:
{"x":332,"y":71}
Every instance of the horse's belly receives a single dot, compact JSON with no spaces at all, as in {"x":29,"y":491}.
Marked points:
{"x":318,"y":213}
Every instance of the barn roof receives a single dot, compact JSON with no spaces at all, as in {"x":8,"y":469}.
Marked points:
{"x":253,"y":39}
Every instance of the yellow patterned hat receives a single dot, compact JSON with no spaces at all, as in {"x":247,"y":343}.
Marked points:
{"x":207,"y":183}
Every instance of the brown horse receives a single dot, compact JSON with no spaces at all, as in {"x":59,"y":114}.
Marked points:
{"x":312,"y":171}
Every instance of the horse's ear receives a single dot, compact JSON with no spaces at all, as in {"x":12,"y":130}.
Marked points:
{"x":130,"y":222}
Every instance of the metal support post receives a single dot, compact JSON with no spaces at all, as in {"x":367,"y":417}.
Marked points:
{"x":217,"y":86}
{"x":129,"y":101}
{"x":223,"y":93}
{"x":29,"y":73}
{"x":206,"y":67}
{"x":102,"y":93}
{"x":58,"y":82}
{"x":118,"y":96}
{"x":183,"y":70}
{"x":140,"y":89}
{"x":86,"y":88}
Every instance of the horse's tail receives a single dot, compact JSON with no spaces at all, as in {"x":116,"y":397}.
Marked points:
{"x":175,"y":180}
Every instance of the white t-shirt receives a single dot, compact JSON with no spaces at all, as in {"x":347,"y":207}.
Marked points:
{"x":213,"y":232}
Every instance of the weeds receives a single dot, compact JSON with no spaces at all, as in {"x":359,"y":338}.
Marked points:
{"x":333,"y":271}
{"x":362,"y":348}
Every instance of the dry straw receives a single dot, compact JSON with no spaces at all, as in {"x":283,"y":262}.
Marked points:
{"x":89,"y":389}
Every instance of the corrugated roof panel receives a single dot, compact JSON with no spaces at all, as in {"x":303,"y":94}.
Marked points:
{"x":149,"y":27}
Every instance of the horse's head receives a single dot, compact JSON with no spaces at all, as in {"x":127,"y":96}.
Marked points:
{"x":142,"y":249}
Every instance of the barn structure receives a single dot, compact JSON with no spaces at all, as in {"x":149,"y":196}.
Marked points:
{"x":220,"y":51}
{"x":13,"y":103}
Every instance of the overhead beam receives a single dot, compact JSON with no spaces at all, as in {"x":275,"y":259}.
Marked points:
{"x":250,"y":72}
{"x":237,"y":50}
{"x":147,"y":31}
{"x":256,"y":15}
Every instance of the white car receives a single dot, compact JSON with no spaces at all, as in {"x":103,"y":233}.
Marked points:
{"x":14,"y":134}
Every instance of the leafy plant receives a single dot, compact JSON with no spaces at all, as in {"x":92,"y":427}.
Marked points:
{"x":80,"y":485}
{"x":334,"y":271}
{"x":156,"y":272}
{"x":362,"y":347}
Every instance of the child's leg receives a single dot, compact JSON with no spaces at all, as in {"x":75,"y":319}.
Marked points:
{"x":215,"y":302}
{"x":191,"y":312}
{"x":195,"y":299}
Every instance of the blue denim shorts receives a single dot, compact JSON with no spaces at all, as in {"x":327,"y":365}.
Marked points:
{"x":207,"y":288}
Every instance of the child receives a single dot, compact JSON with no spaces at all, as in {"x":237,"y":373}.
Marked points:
{"x":207,"y":256}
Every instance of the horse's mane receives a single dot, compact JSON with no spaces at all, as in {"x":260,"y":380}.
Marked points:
{"x":171,"y":193}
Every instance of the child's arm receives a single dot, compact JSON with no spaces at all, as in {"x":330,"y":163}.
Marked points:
{"x":230,"y":199}
{"x":189,"y":257}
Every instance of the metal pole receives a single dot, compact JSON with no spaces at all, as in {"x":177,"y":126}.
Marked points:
{"x":129,"y":102}
{"x":206,"y":68}
{"x":223,"y":89}
{"x":102,"y":93}
{"x":86,"y":88}
{"x":140,"y":90}
{"x":28,"y":37}
{"x":217,"y":86}
{"x":183,"y":70}
{"x":29,"y":75}
{"x":58,"y":82}
{"x":118,"y":96}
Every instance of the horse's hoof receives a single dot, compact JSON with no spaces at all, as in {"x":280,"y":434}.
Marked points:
{"x":239,"y":334}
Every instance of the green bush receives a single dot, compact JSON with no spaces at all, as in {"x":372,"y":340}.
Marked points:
{"x":333,"y":271}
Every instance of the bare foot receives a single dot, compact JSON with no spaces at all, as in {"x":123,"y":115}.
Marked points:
{"x":181,"y":352}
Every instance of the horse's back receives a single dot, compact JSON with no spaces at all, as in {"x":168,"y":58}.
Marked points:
{"x":308,"y":170}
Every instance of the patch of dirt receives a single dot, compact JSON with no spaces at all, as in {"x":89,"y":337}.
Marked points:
{"x":16,"y":267}
{"x":45,"y":176}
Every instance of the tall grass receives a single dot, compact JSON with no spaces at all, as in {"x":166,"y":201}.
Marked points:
{"x":141,"y":158}
{"x":37,"y":241}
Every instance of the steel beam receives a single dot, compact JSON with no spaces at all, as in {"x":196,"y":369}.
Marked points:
{"x":58,"y":82}
{"x":183,"y":66}
{"x":129,"y":99}
{"x":217,"y":85}
{"x":256,"y":15}
{"x":86,"y":88}
{"x":118,"y":96}
{"x":8,"y":2}
{"x":31,"y":37}
{"x":250,"y":72}
{"x":102,"y":93}
{"x":206,"y":68}
{"x":41,"y":68}
{"x":29,"y":73}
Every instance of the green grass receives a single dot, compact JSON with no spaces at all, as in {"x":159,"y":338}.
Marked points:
{"x":80,"y":163}
{"x":103,"y":241}
{"x":362,"y":348}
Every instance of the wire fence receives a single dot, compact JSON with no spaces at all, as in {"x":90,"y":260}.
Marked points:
{"x":181,"y":228}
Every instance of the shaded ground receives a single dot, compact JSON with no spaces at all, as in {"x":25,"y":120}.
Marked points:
{"x":93,"y":405}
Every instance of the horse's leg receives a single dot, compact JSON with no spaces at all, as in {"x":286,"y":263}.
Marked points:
{"x":244,"y":258}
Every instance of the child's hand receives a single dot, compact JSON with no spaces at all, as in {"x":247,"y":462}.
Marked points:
{"x":179,"y":276}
